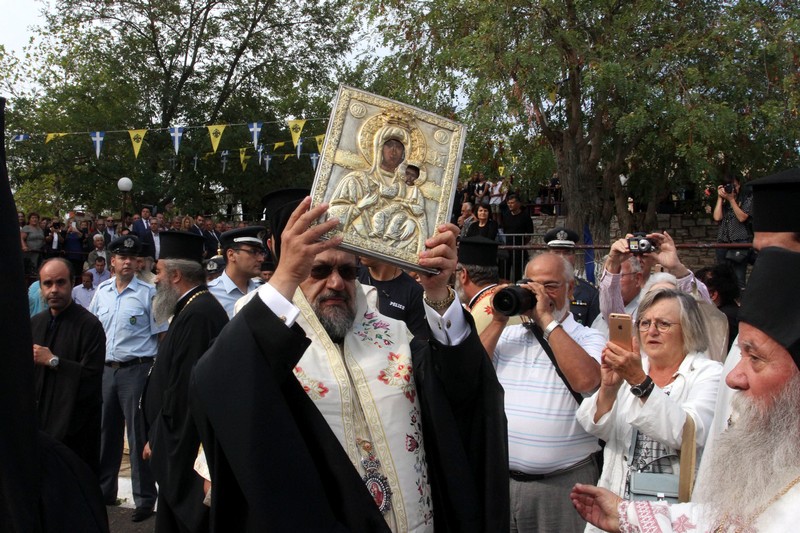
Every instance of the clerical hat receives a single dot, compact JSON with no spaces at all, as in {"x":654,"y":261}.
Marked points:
{"x":770,"y":302}
{"x":146,"y":250}
{"x":776,"y":201}
{"x":251,"y":235}
{"x":560,"y":237}
{"x":127,"y":245}
{"x":279,"y":206}
{"x":267,"y":266}
{"x":181,"y":245}
{"x":477,"y":251}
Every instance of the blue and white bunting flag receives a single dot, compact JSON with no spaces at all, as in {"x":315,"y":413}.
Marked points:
{"x":195,"y":163}
{"x":97,"y":139}
{"x":176,"y":134}
{"x":21,"y":137}
{"x":314,"y":158}
{"x":255,"y":129}
{"x":299,"y":146}
{"x":225,"y":154}
{"x":267,"y":159}
{"x":260,"y":150}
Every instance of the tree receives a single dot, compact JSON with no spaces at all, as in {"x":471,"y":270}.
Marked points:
{"x":608,"y":85}
{"x":120,"y":64}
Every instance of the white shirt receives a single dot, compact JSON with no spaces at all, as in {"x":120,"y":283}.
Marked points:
{"x":157,"y":244}
{"x":543,"y":434}
{"x":661,"y":417}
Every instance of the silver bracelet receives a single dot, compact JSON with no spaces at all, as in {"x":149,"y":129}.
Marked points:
{"x":550,"y":328}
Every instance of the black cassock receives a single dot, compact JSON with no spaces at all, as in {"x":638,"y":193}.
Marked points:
{"x":69,"y":399}
{"x":276,"y":465}
{"x":172,"y":434}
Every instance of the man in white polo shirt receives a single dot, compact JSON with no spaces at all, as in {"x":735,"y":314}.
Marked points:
{"x":548,"y":451}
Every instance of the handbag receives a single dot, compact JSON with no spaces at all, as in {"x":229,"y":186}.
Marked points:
{"x":672,"y":488}
{"x":738,"y":255}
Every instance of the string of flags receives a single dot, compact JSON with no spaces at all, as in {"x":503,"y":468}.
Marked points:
{"x":215,"y":133}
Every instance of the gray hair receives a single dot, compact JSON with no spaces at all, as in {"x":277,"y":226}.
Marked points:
{"x":660,"y":277}
{"x":482,"y":275}
{"x":569,"y":270}
{"x":98,"y":237}
{"x":191,"y":270}
{"x":693,"y":325}
{"x":635,"y":263}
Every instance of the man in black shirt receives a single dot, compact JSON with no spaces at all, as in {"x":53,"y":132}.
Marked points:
{"x":517,"y":226}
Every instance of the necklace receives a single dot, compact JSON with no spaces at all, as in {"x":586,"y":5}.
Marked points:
{"x":744,"y":527}
{"x":195,"y":295}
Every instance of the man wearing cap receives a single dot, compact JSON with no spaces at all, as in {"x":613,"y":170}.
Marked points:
{"x":68,"y":353}
{"x":775,"y":224}
{"x":197,"y":319}
{"x":324,"y":420}
{"x":752,"y":477}
{"x":123,"y":305}
{"x":267,"y":270}
{"x":243,"y":249}
{"x":585,"y":300}
{"x":477,"y":276}
{"x":214,"y":268}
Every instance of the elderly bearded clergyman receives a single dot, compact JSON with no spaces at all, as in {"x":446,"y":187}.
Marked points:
{"x":752,"y":482}
{"x":316,"y":416}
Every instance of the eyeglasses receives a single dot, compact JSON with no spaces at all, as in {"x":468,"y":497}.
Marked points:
{"x":254,"y":253}
{"x":661,"y":325}
{"x":552,"y":287}
{"x":346,"y":272}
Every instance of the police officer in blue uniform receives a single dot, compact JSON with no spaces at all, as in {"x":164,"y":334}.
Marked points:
{"x":585,"y":301}
{"x":123,"y":304}
{"x":243,"y":250}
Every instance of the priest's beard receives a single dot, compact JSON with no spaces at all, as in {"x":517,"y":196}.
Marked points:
{"x":755,"y":458}
{"x":164,"y":302}
{"x":336,"y":320}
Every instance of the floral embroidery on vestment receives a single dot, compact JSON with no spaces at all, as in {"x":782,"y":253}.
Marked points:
{"x":398,"y":374}
{"x":682,"y":524}
{"x":315,"y":389}
{"x":414,"y":445}
{"x":374,"y":330}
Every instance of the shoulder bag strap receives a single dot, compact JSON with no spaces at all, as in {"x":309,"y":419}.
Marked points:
{"x":549,"y":351}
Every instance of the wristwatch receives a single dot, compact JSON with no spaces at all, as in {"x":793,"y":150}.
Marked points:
{"x":53,"y":362}
{"x":551,"y":327}
{"x":643,"y":389}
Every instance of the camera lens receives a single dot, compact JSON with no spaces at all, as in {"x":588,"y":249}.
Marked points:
{"x":514,"y":300}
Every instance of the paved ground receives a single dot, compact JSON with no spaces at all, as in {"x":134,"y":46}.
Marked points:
{"x":119,"y":518}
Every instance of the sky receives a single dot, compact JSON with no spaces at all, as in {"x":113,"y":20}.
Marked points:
{"x":17,"y":18}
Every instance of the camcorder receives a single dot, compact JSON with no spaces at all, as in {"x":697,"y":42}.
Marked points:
{"x":515,"y":299}
{"x":640,"y":244}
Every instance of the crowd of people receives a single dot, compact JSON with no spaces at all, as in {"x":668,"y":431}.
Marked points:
{"x":268,"y":380}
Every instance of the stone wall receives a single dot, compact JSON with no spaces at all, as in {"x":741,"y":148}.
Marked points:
{"x":684,"y":229}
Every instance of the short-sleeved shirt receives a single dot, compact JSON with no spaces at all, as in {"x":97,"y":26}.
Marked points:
{"x":227,"y":293}
{"x":127,"y":318}
{"x":730,"y":229}
{"x":543,"y":433}
{"x":35,"y":237}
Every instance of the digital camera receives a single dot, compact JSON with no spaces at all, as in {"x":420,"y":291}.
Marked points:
{"x":515,"y":299}
{"x":639,"y":244}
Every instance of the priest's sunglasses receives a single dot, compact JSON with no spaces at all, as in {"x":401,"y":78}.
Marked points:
{"x":346,"y":272}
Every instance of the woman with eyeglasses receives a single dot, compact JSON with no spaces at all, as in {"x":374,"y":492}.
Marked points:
{"x":646,"y":394}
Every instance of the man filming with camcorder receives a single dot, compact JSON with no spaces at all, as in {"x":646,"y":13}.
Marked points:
{"x":545,"y":366}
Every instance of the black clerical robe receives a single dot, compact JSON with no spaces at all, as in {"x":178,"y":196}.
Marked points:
{"x":69,"y":398}
{"x":276,"y":465}
{"x":172,"y":434}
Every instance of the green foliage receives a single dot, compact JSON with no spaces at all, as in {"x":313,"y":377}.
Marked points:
{"x":121,"y":64}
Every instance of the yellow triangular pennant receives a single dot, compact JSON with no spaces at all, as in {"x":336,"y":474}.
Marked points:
{"x":553,"y":95}
{"x":278,"y":145}
{"x":500,"y":170}
{"x":296,"y":127}
{"x":245,"y":159}
{"x":469,"y":168}
{"x":51,"y":136}
{"x":241,"y":156}
{"x":137,"y":137}
{"x":320,"y":139}
{"x":215,"y":133}
{"x":287,"y":156}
